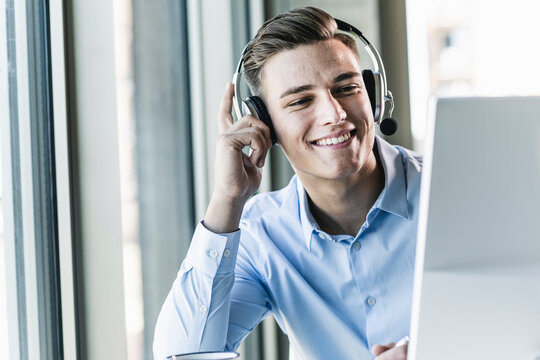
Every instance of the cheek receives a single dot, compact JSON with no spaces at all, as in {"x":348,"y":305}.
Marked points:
{"x":290,"y":129}
{"x":363,"y":117}
{"x":359,"y":107}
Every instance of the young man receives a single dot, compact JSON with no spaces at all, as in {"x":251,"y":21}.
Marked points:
{"x":331,"y":255}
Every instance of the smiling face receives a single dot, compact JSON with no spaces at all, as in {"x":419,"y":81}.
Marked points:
{"x":320,"y":109}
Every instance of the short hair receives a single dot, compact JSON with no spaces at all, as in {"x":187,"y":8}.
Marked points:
{"x":287,"y":31}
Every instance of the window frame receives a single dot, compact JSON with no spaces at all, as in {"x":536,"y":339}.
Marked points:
{"x":34,"y":301}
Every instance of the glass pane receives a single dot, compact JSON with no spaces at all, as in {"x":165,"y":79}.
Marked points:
{"x":130,"y":219}
{"x":155,"y":158}
{"x":29,"y":266}
{"x":480,"y":47}
{"x":4,"y":350}
{"x":471,"y":48}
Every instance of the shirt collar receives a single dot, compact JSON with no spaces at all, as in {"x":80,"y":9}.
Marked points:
{"x":392,"y":199}
{"x":309,"y":225}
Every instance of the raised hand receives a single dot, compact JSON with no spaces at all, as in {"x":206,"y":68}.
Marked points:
{"x":237,"y":175}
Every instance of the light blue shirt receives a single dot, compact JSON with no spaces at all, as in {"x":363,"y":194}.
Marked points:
{"x":334,"y":296}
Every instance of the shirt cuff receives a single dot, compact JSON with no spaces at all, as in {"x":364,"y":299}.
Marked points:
{"x":212,"y":253}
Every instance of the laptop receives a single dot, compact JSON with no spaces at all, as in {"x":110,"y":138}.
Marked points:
{"x":477,"y":277}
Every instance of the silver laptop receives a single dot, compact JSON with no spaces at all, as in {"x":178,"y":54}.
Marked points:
{"x":477,"y":279}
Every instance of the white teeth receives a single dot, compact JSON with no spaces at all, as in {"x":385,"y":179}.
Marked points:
{"x":334,"y":140}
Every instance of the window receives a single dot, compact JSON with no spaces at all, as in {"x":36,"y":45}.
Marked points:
{"x":470,"y":48}
{"x":30,"y":261}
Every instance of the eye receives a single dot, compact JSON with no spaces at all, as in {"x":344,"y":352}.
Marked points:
{"x":300,"y":102}
{"x":349,"y":89}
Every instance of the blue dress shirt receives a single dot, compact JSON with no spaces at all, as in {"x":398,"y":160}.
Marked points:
{"x":335,"y":296}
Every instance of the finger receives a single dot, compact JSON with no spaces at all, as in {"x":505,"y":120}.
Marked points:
{"x":259,"y":148}
{"x":257,"y":145}
{"x":251,"y":121}
{"x":394,"y":353}
{"x":249,"y":136}
{"x":259,"y":124}
{"x":225,"y":118}
{"x":262,"y":136}
{"x":379,"y":349}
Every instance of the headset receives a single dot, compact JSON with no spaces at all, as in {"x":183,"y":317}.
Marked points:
{"x":374,"y":80}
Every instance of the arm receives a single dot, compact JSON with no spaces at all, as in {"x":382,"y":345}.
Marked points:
{"x":237,"y":175}
{"x":197,"y":314}
{"x":214,"y":302}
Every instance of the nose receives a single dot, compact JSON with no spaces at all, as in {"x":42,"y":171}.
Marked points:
{"x":331,"y":109}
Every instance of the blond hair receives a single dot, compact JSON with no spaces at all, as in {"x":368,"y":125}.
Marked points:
{"x":296,"y":27}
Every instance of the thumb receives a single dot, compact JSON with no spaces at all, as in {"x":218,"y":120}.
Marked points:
{"x":225,"y":118}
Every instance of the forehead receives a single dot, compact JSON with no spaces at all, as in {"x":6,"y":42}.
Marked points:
{"x":309,"y":64}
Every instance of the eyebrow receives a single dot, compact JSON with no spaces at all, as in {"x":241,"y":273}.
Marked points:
{"x":296,"y":90}
{"x":340,"y":77}
{"x":345,"y":76}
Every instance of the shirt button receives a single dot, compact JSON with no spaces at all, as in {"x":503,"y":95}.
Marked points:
{"x":212,"y":253}
{"x":357,"y":246}
{"x":202,"y":308}
{"x":227,"y":252}
{"x":371,"y":301}
{"x":321,"y":235}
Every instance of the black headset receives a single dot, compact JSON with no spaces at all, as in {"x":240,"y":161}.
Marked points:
{"x":374,"y":80}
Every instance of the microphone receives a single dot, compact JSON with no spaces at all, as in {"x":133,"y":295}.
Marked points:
{"x":388,"y":126}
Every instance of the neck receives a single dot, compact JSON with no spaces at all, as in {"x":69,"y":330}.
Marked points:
{"x":340,"y":206}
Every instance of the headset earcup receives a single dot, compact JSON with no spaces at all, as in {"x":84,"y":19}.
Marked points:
{"x":369,"y":82}
{"x":257,"y":108}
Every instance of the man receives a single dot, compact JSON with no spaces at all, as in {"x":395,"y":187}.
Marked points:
{"x":331,"y":255}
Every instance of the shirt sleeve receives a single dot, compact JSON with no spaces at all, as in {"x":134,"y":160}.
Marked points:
{"x":197,"y":314}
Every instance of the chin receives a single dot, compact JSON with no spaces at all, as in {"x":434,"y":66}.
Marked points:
{"x":336,"y":173}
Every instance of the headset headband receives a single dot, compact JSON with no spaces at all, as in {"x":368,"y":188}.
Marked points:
{"x":383,"y":92}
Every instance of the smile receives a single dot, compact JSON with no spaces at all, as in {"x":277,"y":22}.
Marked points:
{"x":335,"y":140}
